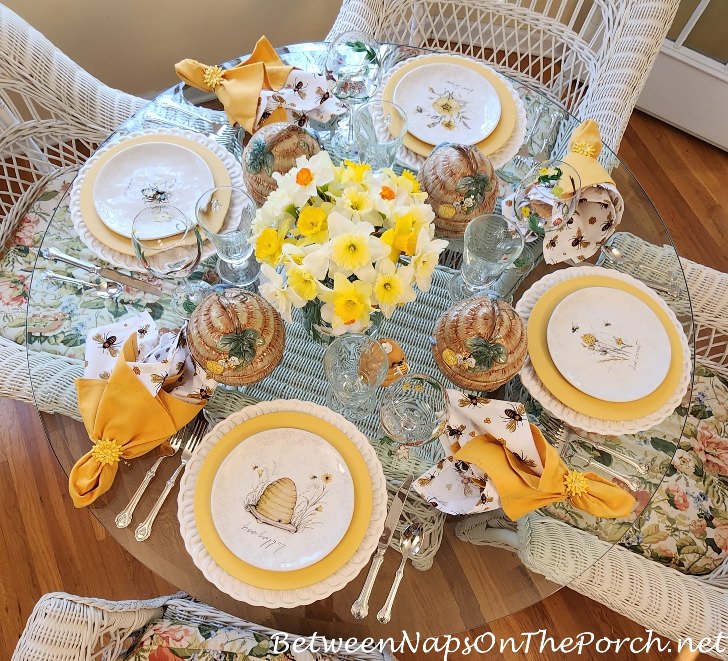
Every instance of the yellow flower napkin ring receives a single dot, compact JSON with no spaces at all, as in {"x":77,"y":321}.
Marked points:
{"x":580,"y":462}
{"x":107,"y":451}
{"x":212,"y":76}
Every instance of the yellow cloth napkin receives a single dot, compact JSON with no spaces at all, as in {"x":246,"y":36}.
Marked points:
{"x":124,"y":420}
{"x":521,"y":490}
{"x":239,"y":88}
{"x":585,"y":145}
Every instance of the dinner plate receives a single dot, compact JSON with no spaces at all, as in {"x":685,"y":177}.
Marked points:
{"x":147,"y":174}
{"x":448,"y":102}
{"x":609,"y":344}
{"x":510,"y":107}
{"x":116,"y":249}
{"x":548,"y":386}
{"x":282,"y":499}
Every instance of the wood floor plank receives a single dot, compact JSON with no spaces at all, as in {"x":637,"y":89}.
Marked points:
{"x":46,"y":544}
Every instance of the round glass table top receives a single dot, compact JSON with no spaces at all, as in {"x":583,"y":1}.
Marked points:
{"x":457,"y":585}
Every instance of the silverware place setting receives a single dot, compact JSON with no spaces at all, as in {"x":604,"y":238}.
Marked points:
{"x":144,"y":529}
{"x":104,"y":289}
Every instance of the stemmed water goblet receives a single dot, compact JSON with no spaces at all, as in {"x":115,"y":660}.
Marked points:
{"x":226,"y":214}
{"x":171,"y":257}
{"x":355,"y":366}
{"x":546,"y":197}
{"x":353,"y":71}
{"x":490,"y":246}
{"x":414,"y":409}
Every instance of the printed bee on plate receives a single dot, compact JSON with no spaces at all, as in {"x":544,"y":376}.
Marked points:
{"x":323,"y":95}
{"x":514,"y":416}
{"x":424,"y":480}
{"x":143,"y":330}
{"x":455,"y":432}
{"x":552,"y":241}
{"x":578,"y":241}
{"x":472,"y":400}
{"x":154,"y":194}
{"x":278,"y":99}
{"x":107,"y":343}
{"x":608,"y":225}
{"x":298,"y":89}
{"x":574,"y":328}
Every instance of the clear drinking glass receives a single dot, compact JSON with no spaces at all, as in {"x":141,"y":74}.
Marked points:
{"x":414,"y":409}
{"x":547,"y":196}
{"x":226,"y":214}
{"x":490,"y":246}
{"x":355,"y":366}
{"x":353,"y":71}
{"x":172,"y":257}
{"x":379,"y":127}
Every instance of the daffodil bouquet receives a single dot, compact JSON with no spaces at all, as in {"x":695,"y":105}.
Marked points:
{"x":345,"y":243}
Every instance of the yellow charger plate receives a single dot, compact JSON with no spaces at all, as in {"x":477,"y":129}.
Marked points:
{"x":299,"y":578}
{"x":500,"y":134}
{"x":122,"y":244}
{"x":572,"y":396}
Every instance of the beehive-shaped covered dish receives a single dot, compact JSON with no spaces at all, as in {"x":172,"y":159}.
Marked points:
{"x":236,"y":336}
{"x":480,"y":344}
{"x":275,"y":148}
{"x":460,"y":184}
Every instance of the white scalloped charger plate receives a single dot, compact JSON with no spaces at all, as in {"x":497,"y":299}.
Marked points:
{"x":538,"y":390}
{"x":130,"y":262}
{"x":499,"y":158}
{"x":280,"y":598}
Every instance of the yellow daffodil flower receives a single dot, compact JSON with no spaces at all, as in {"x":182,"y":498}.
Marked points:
{"x":268,"y":246}
{"x":303,"y":283}
{"x":402,"y":238}
{"x":409,"y":176}
{"x":354,"y":171}
{"x":392,"y":286}
{"x":311,"y":221}
{"x":348,"y":303}
{"x":350,"y":251}
{"x":358,"y":200}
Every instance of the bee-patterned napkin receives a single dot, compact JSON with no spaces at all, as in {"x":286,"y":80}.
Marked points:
{"x":161,"y":360}
{"x":138,"y":389}
{"x":458,"y":487}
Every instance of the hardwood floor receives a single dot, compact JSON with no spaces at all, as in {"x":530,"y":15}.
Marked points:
{"x":47,"y":545}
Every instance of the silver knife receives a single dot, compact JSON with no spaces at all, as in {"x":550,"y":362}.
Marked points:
{"x":360,"y":607}
{"x":109,"y":274}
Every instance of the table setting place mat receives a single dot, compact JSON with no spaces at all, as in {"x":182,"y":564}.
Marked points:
{"x":296,"y":524}
{"x":603,"y":352}
{"x":115,"y":248}
{"x":500,"y":145}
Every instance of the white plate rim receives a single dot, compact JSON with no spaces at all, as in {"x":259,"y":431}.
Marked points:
{"x":336,"y":456}
{"x":594,"y":390}
{"x":541,"y":394}
{"x":101,"y":208}
{"x":281,"y":598}
{"x":488,"y":88}
{"x":130,"y":262}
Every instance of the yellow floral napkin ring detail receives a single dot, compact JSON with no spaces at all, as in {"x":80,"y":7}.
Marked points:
{"x":212,"y":76}
{"x":576,"y":484}
{"x":107,"y":451}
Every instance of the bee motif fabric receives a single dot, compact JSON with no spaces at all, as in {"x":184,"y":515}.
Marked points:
{"x":458,"y":487}
{"x":162,"y":359}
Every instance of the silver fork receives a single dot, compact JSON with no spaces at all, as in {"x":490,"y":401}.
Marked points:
{"x":558,"y":430}
{"x":144,"y":529}
{"x":123,"y":518}
{"x":519,"y":160}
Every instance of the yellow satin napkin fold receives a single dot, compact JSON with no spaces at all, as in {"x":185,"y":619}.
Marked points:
{"x":521,"y":490}
{"x":124,"y":420}
{"x":239,"y":88}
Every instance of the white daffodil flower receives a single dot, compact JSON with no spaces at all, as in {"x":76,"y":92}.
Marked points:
{"x":427,"y":253}
{"x":392,"y":286}
{"x":273,"y":289}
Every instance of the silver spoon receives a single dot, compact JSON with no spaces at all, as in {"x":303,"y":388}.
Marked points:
{"x":411,"y":543}
{"x":615,"y":255}
{"x":110,"y":290}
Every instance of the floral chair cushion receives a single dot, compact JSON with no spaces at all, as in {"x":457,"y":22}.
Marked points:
{"x":61,"y":313}
{"x":685,"y":525}
{"x":172,"y":640}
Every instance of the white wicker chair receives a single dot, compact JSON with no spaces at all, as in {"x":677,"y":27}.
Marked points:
{"x":672,"y":604}
{"x":53,"y":115}
{"x":64,"y":627}
{"x":593,"y":55}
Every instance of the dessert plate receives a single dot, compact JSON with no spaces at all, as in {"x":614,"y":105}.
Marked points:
{"x":448,"y":102}
{"x":282,"y":499}
{"x":147,"y":174}
{"x":609,"y":344}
